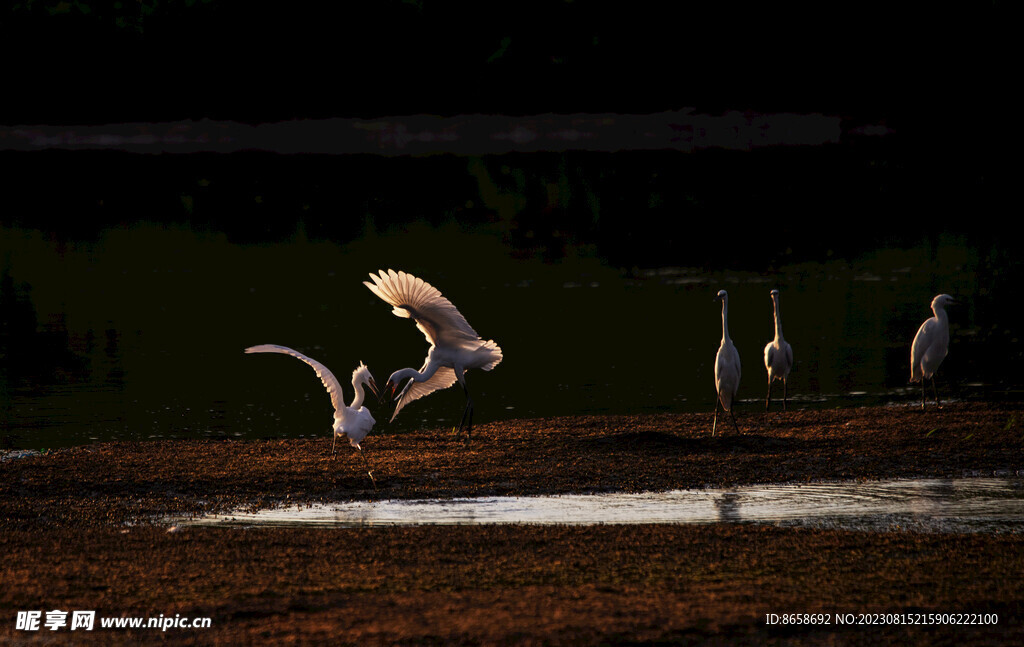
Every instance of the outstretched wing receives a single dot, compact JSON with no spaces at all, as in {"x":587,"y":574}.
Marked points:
{"x":442,"y":379}
{"x":330,"y":382}
{"x":435,"y":316}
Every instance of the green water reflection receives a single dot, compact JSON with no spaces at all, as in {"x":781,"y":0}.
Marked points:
{"x":140,"y":334}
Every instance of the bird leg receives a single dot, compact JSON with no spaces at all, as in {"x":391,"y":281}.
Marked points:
{"x":460,"y":375}
{"x":922,"y":393}
{"x":935,"y":390}
{"x":714,"y":424}
{"x":369,"y":472}
{"x":785,"y":391}
{"x":334,"y":446}
{"x":768,"y":401}
{"x":467,"y":411}
{"x":732,"y":414}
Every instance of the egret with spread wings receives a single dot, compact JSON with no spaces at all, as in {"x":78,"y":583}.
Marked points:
{"x":353,"y":421}
{"x":454,"y":346}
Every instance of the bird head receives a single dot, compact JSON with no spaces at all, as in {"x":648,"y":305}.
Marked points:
{"x":943,"y":300}
{"x":362,"y":374}
{"x":722,"y":295}
{"x":397,"y":378}
{"x":390,"y":388}
{"x":774,"y":293}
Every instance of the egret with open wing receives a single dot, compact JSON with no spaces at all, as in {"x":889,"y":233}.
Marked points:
{"x":353,"y":421}
{"x":454,"y":346}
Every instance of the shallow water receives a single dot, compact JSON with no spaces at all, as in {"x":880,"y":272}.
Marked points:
{"x":928,"y":505}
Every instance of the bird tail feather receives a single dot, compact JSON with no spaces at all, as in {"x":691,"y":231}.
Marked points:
{"x":916,"y":374}
{"x":496,"y":355}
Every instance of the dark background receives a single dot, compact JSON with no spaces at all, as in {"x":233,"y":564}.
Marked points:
{"x":99,"y":62}
{"x":937,"y":79}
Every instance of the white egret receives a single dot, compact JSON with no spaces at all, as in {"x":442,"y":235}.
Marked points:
{"x":931,"y":343}
{"x":727,"y":367}
{"x":778,"y":357}
{"x":454,"y":346}
{"x":353,"y":421}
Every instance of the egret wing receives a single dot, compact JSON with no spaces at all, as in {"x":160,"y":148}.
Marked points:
{"x":435,"y":316}
{"x":330,"y":382}
{"x":732,"y":360}
{"x":442,"y":379}
{"x":922,"y":340}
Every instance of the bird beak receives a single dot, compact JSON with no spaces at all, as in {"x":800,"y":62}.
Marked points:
{"x":376,"y":391}
{"x":390,"y":386}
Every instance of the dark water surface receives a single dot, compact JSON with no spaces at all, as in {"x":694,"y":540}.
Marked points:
{"x":129,"y":323}
{"x":134,"y":340}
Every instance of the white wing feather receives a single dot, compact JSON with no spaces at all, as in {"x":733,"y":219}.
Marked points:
{"x":442,"y":379}
{"x":439,"y":321}
{"x":330,"y":382}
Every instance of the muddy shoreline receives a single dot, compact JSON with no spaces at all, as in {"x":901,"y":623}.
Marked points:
{"x":83,"y":528}
{"x":124,"y":482}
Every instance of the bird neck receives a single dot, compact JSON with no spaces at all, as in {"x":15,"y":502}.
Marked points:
{"x":940,"y":313}
{"x":778,"y":319}
{"x":725,"y":320}
{"x":428,"y":372}
{"x":357,"y":401}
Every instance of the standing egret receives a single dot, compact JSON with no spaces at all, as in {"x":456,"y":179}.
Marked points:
{"x":931,"y":343}
{"x":778,"y":357}
{"x":353,"y":421}
{"x":454,"y":346}
{"x":727,"y":367}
